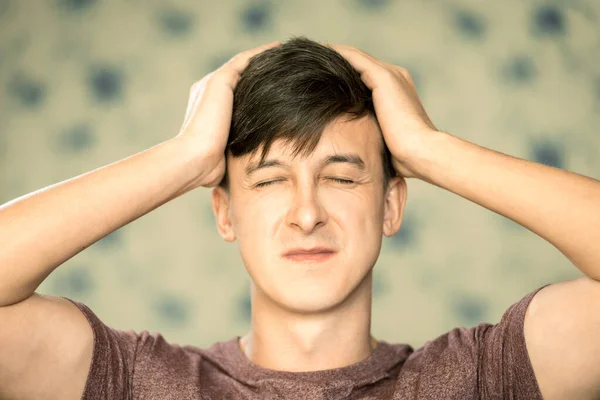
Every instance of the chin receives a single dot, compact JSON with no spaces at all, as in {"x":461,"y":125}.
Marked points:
{"x":310,"y":306}
{"x":305,"y":300}
{"x":321,"y":290}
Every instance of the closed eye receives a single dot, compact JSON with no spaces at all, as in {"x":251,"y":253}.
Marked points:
{"x":337,"y":180}
{"x":267,"y":183}
{"x":343,"y":181}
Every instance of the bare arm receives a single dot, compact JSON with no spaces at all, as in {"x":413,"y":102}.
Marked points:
{"x":46,"y":343}
{"x":42,"y":230}
{"x":563,"y":320}
{"x":560,"y":206}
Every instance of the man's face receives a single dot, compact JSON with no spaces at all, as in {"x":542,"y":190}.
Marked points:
{"x":333,"y":198}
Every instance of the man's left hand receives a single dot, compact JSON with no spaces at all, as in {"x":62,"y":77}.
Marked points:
{"x":401,"y":116}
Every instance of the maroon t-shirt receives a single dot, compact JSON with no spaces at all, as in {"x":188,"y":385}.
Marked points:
{"x":484,"y":362}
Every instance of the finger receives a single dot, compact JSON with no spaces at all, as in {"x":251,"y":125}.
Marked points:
{"x":236,"y":64}
{"x":404,"y":72}
{"x":240,"y":61}
{"x":362,"y":62}
{"x":358,"y":51}
{"x":194,"y":97}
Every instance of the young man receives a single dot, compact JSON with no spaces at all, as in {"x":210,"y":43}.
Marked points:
{"x":318,"y":141}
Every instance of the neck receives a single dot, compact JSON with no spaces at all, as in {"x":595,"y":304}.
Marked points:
{"x":284,"y":340}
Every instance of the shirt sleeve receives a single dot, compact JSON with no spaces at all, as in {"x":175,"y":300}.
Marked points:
{"x":504,"y":367}
{"x":110,"y":374}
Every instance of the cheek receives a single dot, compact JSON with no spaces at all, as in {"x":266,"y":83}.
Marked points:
{"x":361,"y":224}
{"x":255,"y":220}
{"x":360,"y":212}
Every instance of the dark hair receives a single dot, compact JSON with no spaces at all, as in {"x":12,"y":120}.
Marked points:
{"x":292,"y":92}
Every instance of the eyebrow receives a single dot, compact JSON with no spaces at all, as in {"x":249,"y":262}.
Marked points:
{"x":349,"y":158}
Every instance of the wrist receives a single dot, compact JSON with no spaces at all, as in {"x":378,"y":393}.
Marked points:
{"x":206,"y":167}
{"x":419,"y":157}
{"x":431,"y":155}
{"x":191,"y":157}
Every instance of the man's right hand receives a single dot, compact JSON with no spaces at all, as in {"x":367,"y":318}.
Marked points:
{"x":46,"y":336}
{"x":208,"y":116}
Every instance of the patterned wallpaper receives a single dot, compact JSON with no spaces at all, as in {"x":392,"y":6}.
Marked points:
{"x":84,"y":83}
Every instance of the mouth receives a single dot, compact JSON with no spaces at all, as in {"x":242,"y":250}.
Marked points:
{"x":313,"y":255}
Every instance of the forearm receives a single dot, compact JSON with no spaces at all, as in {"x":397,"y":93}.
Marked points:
{"x":559,"y":206}
{"x":43,"y":229}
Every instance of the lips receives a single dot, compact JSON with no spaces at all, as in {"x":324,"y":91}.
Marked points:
{"x":315,"y":254}
{"x":313,"y":250}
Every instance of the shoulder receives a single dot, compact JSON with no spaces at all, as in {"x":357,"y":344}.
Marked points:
{"x":488,"y":360}
{"x":126,"y":362}
{"x":561,"y":332}
{"x":43,"y":336}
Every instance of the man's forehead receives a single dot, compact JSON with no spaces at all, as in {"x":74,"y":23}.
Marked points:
{"x":324,"y":154}
{"x":340,"y":137}
{"x":352,"y":159}
{"x":356,"y":144}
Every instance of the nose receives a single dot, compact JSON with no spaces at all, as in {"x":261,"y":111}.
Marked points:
{"x":306,"y":212}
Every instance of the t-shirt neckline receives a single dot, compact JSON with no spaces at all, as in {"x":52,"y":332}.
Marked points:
{"x":372,"y":368}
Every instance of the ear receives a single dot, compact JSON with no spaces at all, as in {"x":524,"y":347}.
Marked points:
{"x":394,"y":202}
{"x":220,"y":206}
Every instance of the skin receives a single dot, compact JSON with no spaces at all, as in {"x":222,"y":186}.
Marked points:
{"x":310,"y":316}
{"x":561,"y":324}
{"x":563,"y":320}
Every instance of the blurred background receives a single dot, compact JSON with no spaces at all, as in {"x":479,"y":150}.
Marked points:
{"x":84,"y":83}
